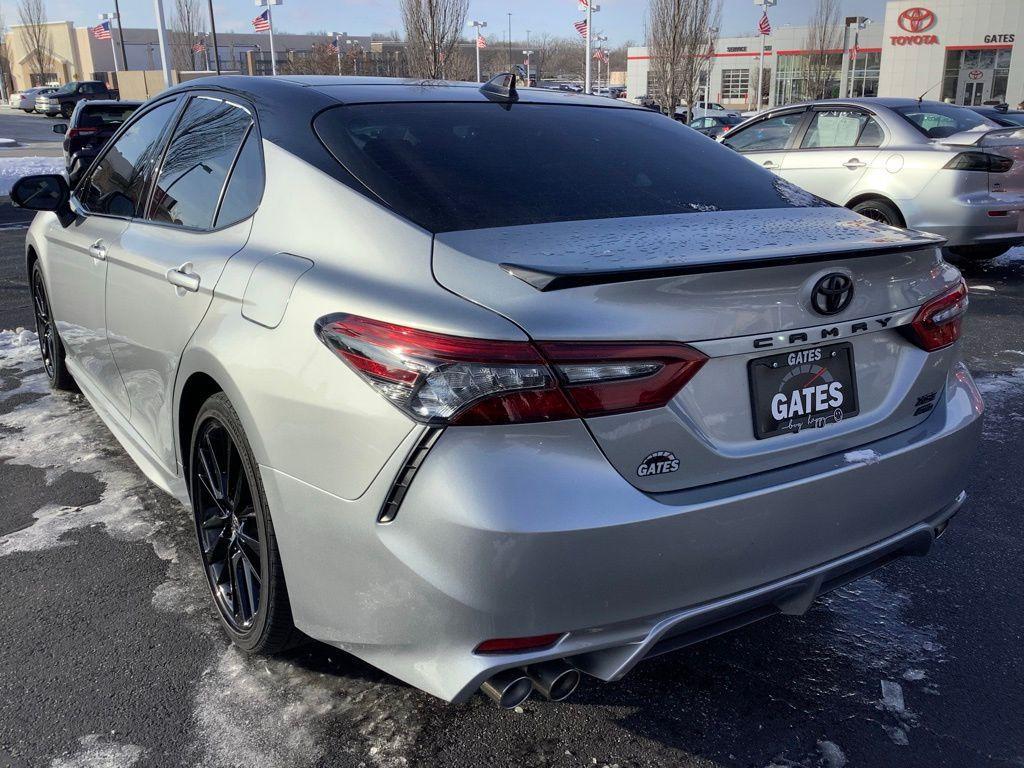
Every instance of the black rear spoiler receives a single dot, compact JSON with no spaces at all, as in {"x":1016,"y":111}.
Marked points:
{"x":547,"y":279}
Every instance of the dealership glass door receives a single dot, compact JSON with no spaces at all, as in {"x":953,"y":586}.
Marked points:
{"x":975,"y":76}
{"x":975,"y":87}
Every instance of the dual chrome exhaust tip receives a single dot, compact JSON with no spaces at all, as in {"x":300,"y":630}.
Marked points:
{"x":554,"y":680}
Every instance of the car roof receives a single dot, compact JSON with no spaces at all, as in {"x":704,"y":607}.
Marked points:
{"x":890,"y":102}
{"x":110,"y":103}
{"x":296,"y":89}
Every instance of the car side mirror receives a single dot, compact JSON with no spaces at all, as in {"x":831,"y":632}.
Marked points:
{"x":61,"y":128}
{"x":45,"y":192}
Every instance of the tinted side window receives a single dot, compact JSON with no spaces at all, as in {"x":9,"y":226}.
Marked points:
{"x":118,"y":184}
{"x":197,"y":162}
{"x":245,"y":187}
{"x":767,"y":135}
{"x":841,"y":128}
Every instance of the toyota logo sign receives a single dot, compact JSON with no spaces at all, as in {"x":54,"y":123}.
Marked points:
{"x":975,"y":74}
{"x":916,"y":20}
{"x":832,"y":294}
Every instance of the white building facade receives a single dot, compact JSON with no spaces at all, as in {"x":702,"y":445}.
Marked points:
{"x":963,"y":51}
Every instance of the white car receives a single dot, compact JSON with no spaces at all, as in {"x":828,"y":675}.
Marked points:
{"x":26,"y":99}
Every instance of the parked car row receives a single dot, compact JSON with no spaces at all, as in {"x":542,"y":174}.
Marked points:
{"x":26,"y":100}
{"x":490,"y":438}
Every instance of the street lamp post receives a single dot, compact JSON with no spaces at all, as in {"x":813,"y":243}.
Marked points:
{"x":478,"y":25}
{"x":213,"y":34}
{"x":527,"y":53}
{"x":856,"y":23}
{"x":120,"y":36}
{"x":601,"y":40}
{"x":764,"y":5}
{"x":161,"y":33}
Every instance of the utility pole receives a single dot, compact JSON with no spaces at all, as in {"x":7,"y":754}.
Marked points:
{"x":161,"y":33}
{"x":111,"y":17}
{"x":478,"y":25}
{"x":510,"y":66}
{"x":213,"y":34}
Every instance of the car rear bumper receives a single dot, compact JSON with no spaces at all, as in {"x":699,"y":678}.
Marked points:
{"x":514,"y":532}
{"x":968,"y":220}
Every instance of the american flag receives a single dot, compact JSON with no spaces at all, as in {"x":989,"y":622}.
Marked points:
{"x":332,"y":45}
{"x":262,"y":22}
{"x":764,"y":25}
{"x":581,"y":27}
{"x":101,"y":31}
{"x":198,"y":47}
{"x":601,"y":55}
{"x":480,"y":42}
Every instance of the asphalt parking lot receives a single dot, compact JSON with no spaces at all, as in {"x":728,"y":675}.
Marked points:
{"x":33,"y":133}
{"x":112,"y":655}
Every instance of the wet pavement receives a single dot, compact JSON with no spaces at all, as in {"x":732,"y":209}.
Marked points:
{"x":112,"y":656}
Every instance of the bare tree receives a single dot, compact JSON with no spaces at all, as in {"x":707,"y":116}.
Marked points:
{"x":433,"y":29}
{"x":680,"y":35}
{"x":187,"y":23}
{"x":35,"y":36}
{"x":823,"y":35}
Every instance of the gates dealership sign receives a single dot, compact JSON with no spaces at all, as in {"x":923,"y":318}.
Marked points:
{"x":916,"y":22}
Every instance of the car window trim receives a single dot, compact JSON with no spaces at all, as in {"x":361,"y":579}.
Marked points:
{"x":126,"y":125}
{"x":253,"y":126}
{"x":806,"y":127}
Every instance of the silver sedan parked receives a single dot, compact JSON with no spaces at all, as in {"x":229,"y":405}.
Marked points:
{"x":921,"y":164}
{"x":490,"y":413}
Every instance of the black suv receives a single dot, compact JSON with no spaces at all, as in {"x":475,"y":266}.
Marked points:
{"x":91,"y":126}
{"x":62,"y":101}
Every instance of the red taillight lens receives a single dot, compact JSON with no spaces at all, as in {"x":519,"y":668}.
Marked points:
{"x":517,"y":644}
{"x":441,"y":379}
{"x":72,"y":132}
{"x":937,"y":324}
{"x":616,"y":378}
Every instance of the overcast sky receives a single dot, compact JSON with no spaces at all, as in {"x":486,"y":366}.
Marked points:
{"x":621,"y":20}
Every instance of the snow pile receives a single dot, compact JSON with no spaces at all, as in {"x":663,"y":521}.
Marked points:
{"x":13,"y":168}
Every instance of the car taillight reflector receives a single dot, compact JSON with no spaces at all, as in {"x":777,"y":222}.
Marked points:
{"x":72,"y":132}
{"x":980,"y":161}
{"x":517,"y":644}
{"x":441,"y":379}
{"x":938,"y":323}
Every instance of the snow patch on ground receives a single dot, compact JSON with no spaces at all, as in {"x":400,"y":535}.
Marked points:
{"x":1003,"y":398}
{"x":98,"y":751}
{"x":866,"y":456}
{"x":60,"y":433}
{"x":288,"y":708}
{"x":13,"y":168}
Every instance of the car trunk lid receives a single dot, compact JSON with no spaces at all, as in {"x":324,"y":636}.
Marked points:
{"x":736,"y":286}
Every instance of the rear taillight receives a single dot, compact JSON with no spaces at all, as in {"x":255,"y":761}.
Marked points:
{"x":441,"y":379}
{"x":980,"y":161}
{"x":72,"y":132}
{"x":937,"y":324}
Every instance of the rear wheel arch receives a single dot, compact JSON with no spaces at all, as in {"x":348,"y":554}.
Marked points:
{"x":874,"y":196}
{"x":198,"y":388}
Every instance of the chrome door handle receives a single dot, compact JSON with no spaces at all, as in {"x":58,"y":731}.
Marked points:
{"x":183,"y":277}
{"x":853,"y":164}
{"x":769,"y":164}
{"x":98,"y":250}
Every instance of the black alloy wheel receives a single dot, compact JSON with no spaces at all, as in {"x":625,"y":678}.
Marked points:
{"x":50,"y":347}
{"x":881,"y":211}
{"x":236,"y":537}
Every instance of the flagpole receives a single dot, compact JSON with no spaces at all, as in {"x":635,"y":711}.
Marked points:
{"x":477,"y":43}
{"x":337,"y":46}
{"x":161,"y":31}
{"x":120,"y":36}
{"x":590,"y":20}
{"x":273,"y":58}
{"x":113,"y":52}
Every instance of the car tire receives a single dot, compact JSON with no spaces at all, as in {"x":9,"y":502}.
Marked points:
{"x":235,"y":533}
{"x":65,"y":111}
{"x":51,"y":349}
{"x":880,"y":210}
{"x":977,"y":252}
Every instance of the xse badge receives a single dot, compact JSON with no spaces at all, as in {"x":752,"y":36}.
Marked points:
{"x":809,"y":389}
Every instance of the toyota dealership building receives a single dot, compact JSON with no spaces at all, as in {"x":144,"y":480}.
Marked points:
{"x":963,"y":51}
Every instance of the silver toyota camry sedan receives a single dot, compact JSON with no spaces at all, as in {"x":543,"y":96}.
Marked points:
{"x":495,"y":388}
{"x":907,"y":162}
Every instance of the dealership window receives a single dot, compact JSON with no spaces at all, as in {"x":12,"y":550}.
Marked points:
{"x":977,"y":74}
{"x":864,"y":74}
{"x":44,"y":79}
{"x":795,"y":74}
{"x":735,"y":84}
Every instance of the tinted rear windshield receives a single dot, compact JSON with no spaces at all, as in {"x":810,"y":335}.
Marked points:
{"x":455,"y":166}
{"x":104,"y":117}
{"x":939,"y":121}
